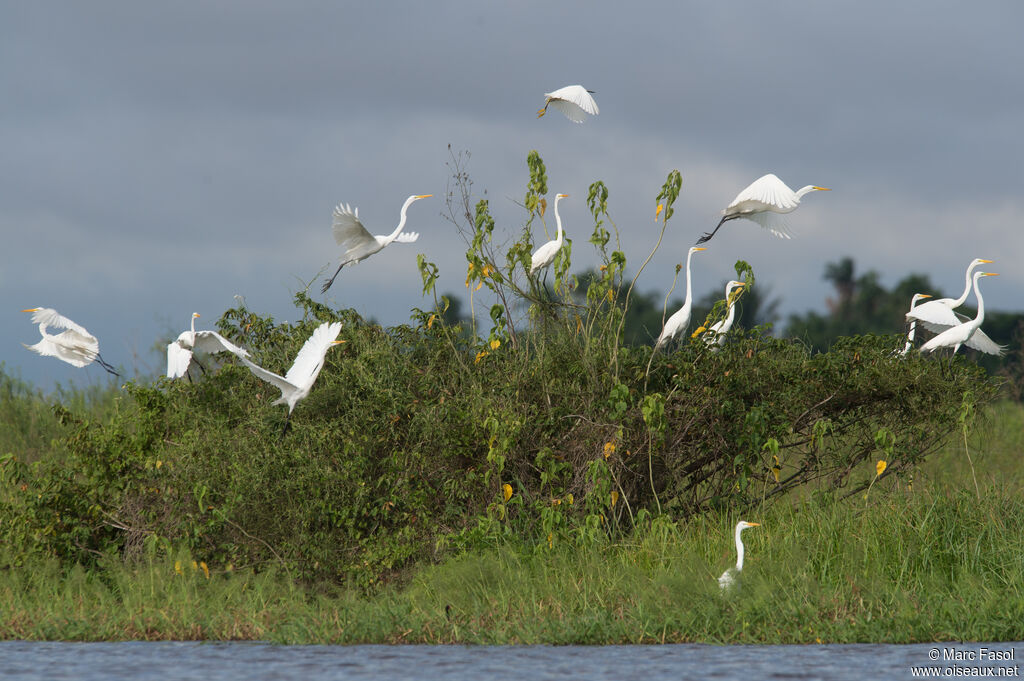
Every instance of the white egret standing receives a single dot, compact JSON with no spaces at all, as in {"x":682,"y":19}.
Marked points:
{"x":545,"y":255}
{"x":763,"y":202}
{"x":179,"y":351}
{"x":359,"y":243}
{"x":961,"y":335}
{"x":296,"y":384}
{"x":913,"y":322}
{"x":74,"y":345}
{"x":572,"y":100}
{"x":680,"y":319}
{"x":939,"y":315}
{"x":715,"y":336}
{"x":730,"y":576}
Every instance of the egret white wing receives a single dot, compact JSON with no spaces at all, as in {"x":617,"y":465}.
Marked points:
{"x":178,"y":359}
{"x":348,"y":230}
{"x":571,"y":111}
{"x":577,"y":95}
{"x":211,"y":341}
{"x":934,"y":315}
{"x":773,"y":222}
{"x":769,"y":190}
{"x":50,"y":317}
{"x":310,"y":358}
{"x":407,"y":237}
{"x":269,"y":376}
{"x":980,"y":341}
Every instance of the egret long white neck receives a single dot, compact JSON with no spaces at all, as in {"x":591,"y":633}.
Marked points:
{"x":731,"y":301}
{"x":981,"y":301}
{"x":739,"y":549}
{"x":967,"y":286}
{"x":558,"y":220}
{"x":689,"y":288}
{"x":401,"y":221}
{"x":804,"y":190}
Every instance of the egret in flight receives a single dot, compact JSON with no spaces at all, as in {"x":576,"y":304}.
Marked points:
{"x":74,"y":345}
{"x":680,"y":319}
{"x":730,"y":576}
{"x":296,"y":384}
{"x":545,"y":255}
{"x":572,"y":100}
{"x":179,"y":351}
{"x":764,"y":202}
{"x":940,"y":314}
{"x":359,"y":243}
{"x":963,"y":333}
{"x":715,"y":336}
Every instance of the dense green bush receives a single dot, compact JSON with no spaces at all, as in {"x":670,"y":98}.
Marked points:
{"x":423,"y":438}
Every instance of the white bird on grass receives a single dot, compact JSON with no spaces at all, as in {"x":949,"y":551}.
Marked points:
{"x":764,"y":202}
{"x":715,"y":336}
{"x":74,"y":345}
{"x":545,"y":255}
{"x":940,"y":314}
{"x":359,"y":243}
{"x":729,"y":577}
{"x":962,"y":334}
{"x":179,"y":351}
{"x":296,"y":384}
{"x":913,"y":322}
{"x":572,"y":100}
{"x":680,"y":319}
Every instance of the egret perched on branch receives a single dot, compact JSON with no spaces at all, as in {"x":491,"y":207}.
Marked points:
{"x":763,"y":202}
{"x":296,"y":384}
{"x":961,"y":334}
{"x":74,"y":345}
{"x":715,"y":336}
{"x":359,"y":243}
{"x":179,"y":351}
{"x":679,"y":320}
{"x":545,"y":255}
{"x":730,"y":576}
{"x":913,"y":322}
{"x":939,"y":315}
{"x":572,"y":100}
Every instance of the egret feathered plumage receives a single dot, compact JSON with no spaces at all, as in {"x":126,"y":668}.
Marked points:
{"x":572,"y":100}
{"x":715,"y":335}
{"x":179,"y":351}
{"x":913,"y":322}
{"x":730,"y":576}
{"x":940,"y":314}
{"x":680,"y":319}
{"x":74,"y":345}
{"x":764,"y":202}
{"x":961,"y":334}
{"x":358,"y":243}
{"x":545,"y":255}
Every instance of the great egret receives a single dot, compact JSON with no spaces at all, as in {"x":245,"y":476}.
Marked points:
{"x":572,"y":100}
{"x":961,"y":334}
{"x":715,"y":336}
{"x":74,"y":345}
{"x":913,"y":322}
{"x":939,"y":315}
{"x":730,"y":576}
{"x":545,"y":255}
{"x":360,"y":244}
{"x":296,"y":384}
{"x":680,"y":319}
{"x":763,"y":202}
{"x":179,"y":351}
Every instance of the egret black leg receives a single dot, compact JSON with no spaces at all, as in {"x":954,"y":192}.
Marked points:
{"x":331,"y":280}
{"x":707,"y":235}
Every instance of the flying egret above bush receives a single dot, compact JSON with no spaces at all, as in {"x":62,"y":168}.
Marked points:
{"x":74,"y":345}
{"x":545,"y":255}
{"x":572,"y":100}
{"x":940,"y":314}
{"x":730,"y":576}
{"x":715,"y":336}
{"x":680,"y":319}
{"x":296,"y":384}
{"x":913,"y":322}
{"x":359,"y":243}
{"x":764,"y":202}
{"x":961,"y":334}
{"x":179,"y":351}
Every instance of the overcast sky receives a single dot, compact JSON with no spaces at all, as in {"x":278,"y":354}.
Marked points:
{"x":158,"y":158}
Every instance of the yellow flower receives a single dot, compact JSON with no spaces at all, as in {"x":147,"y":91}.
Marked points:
{"x":569,"y":498}
{"x":661,"y":207}
{"x":206,"y":570}
{"x":551,"y":540}
{"x":506,"y":491}
{"x":430,"y":320}
{"x":159,"y":463}
{"x":469,"y":274}
{"x":495,"y":344}
{"x":177,"y":567}
{"x":556,"y":502}
{"x":880,"y":468}
{"x":480,"y":355}
{"x":776,"y":468}
{"x":487,"y":270}
{"x":609,"y":449}
{"x":700,"y":329}
{"x":615,"y":498}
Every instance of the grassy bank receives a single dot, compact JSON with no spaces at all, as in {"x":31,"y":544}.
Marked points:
{"x":909,"y":566}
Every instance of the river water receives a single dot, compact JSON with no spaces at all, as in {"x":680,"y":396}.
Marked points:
{"x":23,"y":660}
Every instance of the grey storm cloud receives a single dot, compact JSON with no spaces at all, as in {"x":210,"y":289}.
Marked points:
{"x":160,"y":158}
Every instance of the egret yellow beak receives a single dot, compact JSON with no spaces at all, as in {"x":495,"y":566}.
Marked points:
{"x":338,"y":342}
{"x":925,"y":295}
{"x":424,"y":196}
{"x":562,"y":196}
{"x":990,"y":274}
{"x":754,"y":524}
{"x":701,"y":248}
{"x":32,"y":309}
{"x":823,"y":189}
{"x":988,"y":261}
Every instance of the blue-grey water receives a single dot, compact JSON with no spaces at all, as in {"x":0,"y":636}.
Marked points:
{"x":23,"y":660}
